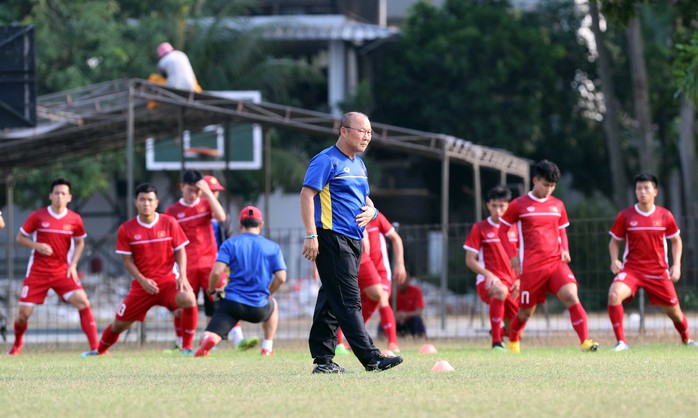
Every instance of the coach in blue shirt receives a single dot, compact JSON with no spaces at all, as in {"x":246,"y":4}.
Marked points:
{"x":335,"y":208}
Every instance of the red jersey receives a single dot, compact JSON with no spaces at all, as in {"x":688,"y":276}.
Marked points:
{"x":195,"y":220}
{"x":483,"y":239}
{"x":538,"y":223}
{"x":410,"y":299}
{"x":58,"y":231}
{"x":645,"y":235}
{"x":152,"y":245}
{"x":377,"y":230}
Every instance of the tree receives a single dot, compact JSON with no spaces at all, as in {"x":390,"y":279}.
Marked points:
{"x":498,"y":77}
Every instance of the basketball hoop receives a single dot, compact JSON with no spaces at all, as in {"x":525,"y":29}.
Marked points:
{"x":201,"y":152}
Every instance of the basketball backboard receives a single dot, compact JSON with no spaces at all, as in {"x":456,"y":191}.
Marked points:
{"x":233,"y":146}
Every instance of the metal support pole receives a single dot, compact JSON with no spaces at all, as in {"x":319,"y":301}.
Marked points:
{"x":444,"y":230}
{"x":477,"y":186}
{"x":130,"y":128}
{"x":180,"y":131}
{"x":267,"y":179}
{"x":10,"y":225}
{"x":641,"y":302}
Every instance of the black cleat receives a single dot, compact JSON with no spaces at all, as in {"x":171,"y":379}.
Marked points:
{"x":329,"y":368}
{"x":382,"y":362}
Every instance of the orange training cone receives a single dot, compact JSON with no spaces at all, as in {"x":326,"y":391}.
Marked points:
{"x":427,"y":349}
{"x":442,"y":366}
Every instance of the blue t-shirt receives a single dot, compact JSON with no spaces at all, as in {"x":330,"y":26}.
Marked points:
{"x":253,"y":260}
{"x":342,"y":185}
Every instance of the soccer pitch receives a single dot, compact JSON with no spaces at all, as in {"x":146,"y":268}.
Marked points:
{"x":650,"y":380}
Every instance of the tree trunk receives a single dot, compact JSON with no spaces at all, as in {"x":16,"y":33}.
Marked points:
{"x":610,"y":120}
{"x":687,"y":155}
{"x":641,"y":96}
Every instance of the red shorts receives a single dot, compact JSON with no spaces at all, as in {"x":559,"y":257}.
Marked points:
{"x":387,"y":282}
{"x":368,"y":275}
{"x":511,"y":306}
{"x":37,"y":284}
{"x":198,"y":278}
{"x":138,"y":302}
{"x":535,"y":285}
{"x":661,"y":291}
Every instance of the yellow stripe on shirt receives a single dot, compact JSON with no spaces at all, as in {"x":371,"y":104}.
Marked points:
{"x":326,"y":203}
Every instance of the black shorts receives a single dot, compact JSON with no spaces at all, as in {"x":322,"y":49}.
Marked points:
{"x":228,"y":313}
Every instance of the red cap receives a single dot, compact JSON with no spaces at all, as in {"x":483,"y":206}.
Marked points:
{"x":251,"y":212}
{"x":213,"y":183}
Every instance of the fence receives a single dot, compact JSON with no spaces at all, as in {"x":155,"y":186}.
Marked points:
{"x":452,"y":312}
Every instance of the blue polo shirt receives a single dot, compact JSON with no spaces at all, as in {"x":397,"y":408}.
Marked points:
{"x":253,"y":260}
{"x":342,"y":185}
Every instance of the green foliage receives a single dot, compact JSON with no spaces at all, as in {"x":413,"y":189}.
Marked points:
{"x":686,"y":68}
{"x":498,"y":77}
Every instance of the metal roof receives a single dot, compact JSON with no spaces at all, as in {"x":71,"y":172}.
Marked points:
{"x":92,"y":119}
{"x":307,"y":28}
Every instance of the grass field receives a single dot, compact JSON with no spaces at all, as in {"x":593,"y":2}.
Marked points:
{"x":658,"y":380}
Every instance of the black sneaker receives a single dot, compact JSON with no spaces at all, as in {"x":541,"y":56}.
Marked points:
{"x":329,"y":368}
{"x":382,"y":362}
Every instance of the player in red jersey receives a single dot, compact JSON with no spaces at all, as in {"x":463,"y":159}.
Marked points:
{"x":543,"y":256}
{"x":497,"y":284}
{"x":56,"y":237}
{"x":375,"y":278}
{"x":194,"y":212}
{"x":645,"y":228}
{"x":409,"y":309}
{"x":149,"y":245}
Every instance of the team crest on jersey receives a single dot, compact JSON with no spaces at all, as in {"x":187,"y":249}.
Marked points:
{"x":346,"y":170}
{"x":530,"y":208}
{"x":633,"y":223}
{"x":657,"y":223}
{"x":490,"y":235}
{"x":161,"y":234}
{"x":180,"y":215}
{"x":68,"y":227}
{"x":512,"y":234}
{"x":137,"y":236}
{"x":45,"y":224}
{"x":554,"y":209}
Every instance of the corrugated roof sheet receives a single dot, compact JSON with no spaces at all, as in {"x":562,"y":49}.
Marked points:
{"x":308,"y":27}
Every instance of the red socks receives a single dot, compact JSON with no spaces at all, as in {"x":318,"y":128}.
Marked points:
{"x":682,"y":328}
{"x":615,"y":313}
{"x":19,"y":337}
{"x":178,"y":326}
{"x":496,"y":316}
{"x":515,"y":329}
{"x":388,"y":323}
{"x":578,"y":317}
{"x":190,"y":319}
{"x":87,"y":322}
{"x":368,"y":307}
{"x":108,"y":339}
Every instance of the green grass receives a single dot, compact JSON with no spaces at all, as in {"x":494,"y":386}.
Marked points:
{"x":648,"y":381}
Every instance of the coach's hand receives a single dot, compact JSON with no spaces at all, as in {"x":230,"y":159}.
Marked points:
{"x":310,"y":248}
